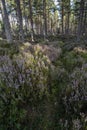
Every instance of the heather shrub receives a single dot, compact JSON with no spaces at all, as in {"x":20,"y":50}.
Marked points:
{"x":8,"y":49}
{"x":72,"y":59}
{"x":79,"y":83}
{"x":69,"y":46}
{"x":23,"y":84}
{"x":61,"y":44}
{"x":69,"y":95}
{"x":37,"y":93}
{"x":81,"y":52}
{"x":58,"y":83}
{"x":75,"y":99}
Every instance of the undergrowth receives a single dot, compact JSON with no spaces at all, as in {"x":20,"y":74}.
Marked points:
{"x":39,"y":94}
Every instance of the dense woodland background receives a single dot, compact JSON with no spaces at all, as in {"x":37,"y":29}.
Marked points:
{"x":19,"y":19}
{"x":43,"y":64}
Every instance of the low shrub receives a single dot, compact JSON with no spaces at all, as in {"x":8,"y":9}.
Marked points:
{"x":23,"y":84}
{"x":72,"y":59}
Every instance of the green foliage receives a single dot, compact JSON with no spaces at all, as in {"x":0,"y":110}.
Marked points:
{"x":73,"y":59}
{"x":8,"y":49}
{"x":23,"y":85}
{"x":38,"y":94}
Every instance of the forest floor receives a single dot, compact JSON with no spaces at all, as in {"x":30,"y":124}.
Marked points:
{"x":67,"y":59}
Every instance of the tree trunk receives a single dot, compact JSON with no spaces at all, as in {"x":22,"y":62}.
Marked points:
{"x":62,"y":18}
{"x":80,"y":20}
{"x":20,"y":21}
{"x":31,"y":20}
{"x":45,"y":18}
{"x":6,"y":22}
{"x":85,"y":21}
{"x":68,"y":16}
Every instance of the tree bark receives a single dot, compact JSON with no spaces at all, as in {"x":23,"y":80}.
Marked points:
{"x":6,"y":22}
{"x":31,"y":20}
{"x":45,"y":18}
{"x":20,"y":20}
{"x":68,"y":16}
{"x":62,"y":18}
{"x":80,"y":20}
